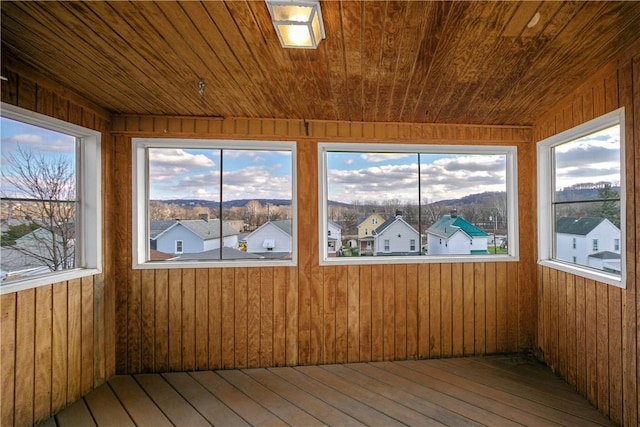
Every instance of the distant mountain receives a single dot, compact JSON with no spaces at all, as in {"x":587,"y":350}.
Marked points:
{"x":213,"y":204}
{"x":580,"y":194}
{"x":472,"y":199}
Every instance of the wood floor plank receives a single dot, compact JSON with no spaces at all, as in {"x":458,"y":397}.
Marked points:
{"x":535,"y":381}
{"x":425,"y":407}
{"x":106,"y":409}
{"x":137,"y":403}
{"x":552,"y":407}
{"x":75,"y":415}
{"x":342,"y":401}
{"x":239,"y":402}
{"x":547,"y":414}
{"x":431,"y":394}
{"x":283,"y":409}
{"x":170,"y":402}
{"x":457,"y":389}
{"x":305,"y":401}
{"x":389,"y":407}
{"x":209,"y":406}
{"x":487,"y":390}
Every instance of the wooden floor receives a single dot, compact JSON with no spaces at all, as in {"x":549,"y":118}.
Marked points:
{"x":493,"y":391}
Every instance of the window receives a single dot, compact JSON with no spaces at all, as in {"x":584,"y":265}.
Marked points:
{"x":442,"y":198}
{"x":581,"y":199}
{"x":51,"y":200}
{"x":229,"y":203}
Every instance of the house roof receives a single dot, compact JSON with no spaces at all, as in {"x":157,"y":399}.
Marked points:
{"x":448,"y":225}
{"x":284,"y":225}
{"x":335,"y":224}
{"x":382,"y":227}
{"x":578,"y":226}
{"x":362,"y":219}
{"x":206,"y":230}
{"x":605,"y":255}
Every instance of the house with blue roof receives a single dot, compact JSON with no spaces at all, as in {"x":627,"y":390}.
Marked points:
{"x":453,"y":234}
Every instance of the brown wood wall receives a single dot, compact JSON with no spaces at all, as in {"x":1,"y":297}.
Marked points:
{"x":57,"y":341}
{"x":249,"y":317}
{"x":588,"y":331}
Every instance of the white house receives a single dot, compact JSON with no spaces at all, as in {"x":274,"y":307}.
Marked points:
{"x":393,"y":237}
{"x":271,"y":237}
{"x":191,"y":236}
{"x":593,"y":242}
{"x":453,"y":234}
{"x":334,"y":237}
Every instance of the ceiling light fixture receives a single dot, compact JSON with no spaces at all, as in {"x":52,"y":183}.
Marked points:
{"x":298,"y":23}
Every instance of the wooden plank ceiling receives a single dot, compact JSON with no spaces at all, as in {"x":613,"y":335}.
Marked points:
{"x":382,"y":61}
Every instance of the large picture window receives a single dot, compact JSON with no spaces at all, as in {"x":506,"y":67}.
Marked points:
{"x":213,"y":202}
{"x":581,"y":199}
{"x":411,"y":203}
{"x":51,"y":198}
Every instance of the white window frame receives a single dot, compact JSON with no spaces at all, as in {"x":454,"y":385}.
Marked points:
{"x":546,"y":235}
{"x":181,"y":243}
{"x":140,"y":189}
{"x":89,"y":190}
{"x":511,"y":188}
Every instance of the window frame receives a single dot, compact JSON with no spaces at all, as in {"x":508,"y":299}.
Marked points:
{"x":140,"y":190}
{"x":511,"y":169}
{"x":88,"y":190}
{"x":545,"y":171}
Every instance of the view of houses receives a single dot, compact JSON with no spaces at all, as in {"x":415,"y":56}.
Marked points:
{"x":589,"y":241}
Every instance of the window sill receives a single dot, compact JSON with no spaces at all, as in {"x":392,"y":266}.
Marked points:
{"x":419,"y":259}
{"x":49,"y":279}
{"x":588,"y":273}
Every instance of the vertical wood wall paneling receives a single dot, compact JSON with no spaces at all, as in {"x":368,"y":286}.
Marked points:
{"x":630,"y":98}
{"x":7,"y":357}
{"x":589,"y":330}
{"x":54,"y":338}
{"x":43,"y":356}
{"x":25,"y":366}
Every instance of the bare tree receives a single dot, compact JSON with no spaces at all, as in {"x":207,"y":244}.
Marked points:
{"x":45,"y":188}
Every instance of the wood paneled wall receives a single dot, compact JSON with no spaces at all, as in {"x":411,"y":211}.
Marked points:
{"x":588,"y":331}
{"x":57,"y":341}
{"x":249,"y":317}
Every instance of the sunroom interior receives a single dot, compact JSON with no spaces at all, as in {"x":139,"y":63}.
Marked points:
{"x":395,"y":74}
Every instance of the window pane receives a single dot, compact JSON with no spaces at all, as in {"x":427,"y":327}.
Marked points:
{"x":257,"y":193}
{"x":218,"y":204}
{"x":373,"y":202}
{"x":586,"y":200}
{"x":588,"y":168}
{"x":464,"y":203}
{"x":39,"y":200}
{"x":184,"y":200}
{"x":384,"y":203}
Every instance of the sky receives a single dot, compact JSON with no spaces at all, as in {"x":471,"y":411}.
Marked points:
{"x":384,"y":176}
{"x":591,"y":159}
{"x":186,"y":174}
{"x":40,"y":141}
{"x":176,"y":173}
